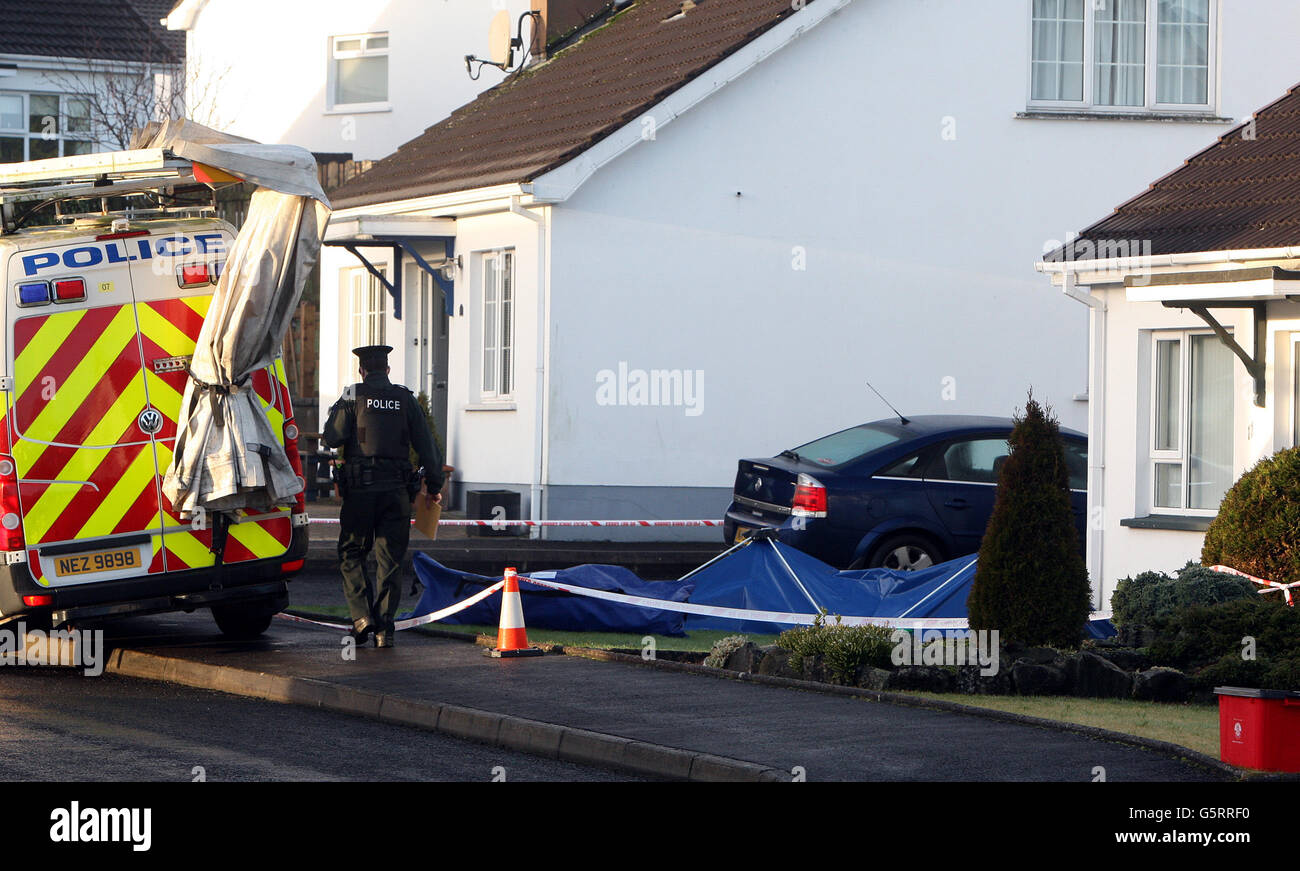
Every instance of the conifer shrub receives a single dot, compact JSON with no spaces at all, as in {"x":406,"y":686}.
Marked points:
{"x":1257,"y":530}
{"x":1030,"y":582}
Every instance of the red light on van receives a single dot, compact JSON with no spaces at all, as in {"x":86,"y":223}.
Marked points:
{"x":69,"y":290}
{"x":292,"y":566}
{"x":38,"y":601}
{"x":192,"y":275}
{"x":11,"y":519}
{"x":126,"y":235}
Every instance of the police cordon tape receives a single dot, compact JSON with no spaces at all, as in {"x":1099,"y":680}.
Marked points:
{"x":1269,"y":586}
{"x":921,"y":623}
{"x":410,"y":622}
{"x":498,"y":524}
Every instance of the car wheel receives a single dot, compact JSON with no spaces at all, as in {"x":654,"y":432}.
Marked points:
{"x":904,"y":553}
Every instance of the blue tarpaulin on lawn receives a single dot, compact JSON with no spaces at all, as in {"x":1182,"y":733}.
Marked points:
{"x":770,"y":576}
{"x":763,"y":575}
{"x":551,"y":609}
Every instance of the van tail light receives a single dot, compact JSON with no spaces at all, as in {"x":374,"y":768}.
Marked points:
{"x":11,"y":518}
{"x":295,"y":461}
{"x":809,"y":497}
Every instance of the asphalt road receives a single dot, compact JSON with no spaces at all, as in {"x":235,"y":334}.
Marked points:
{"x":58,"y":725}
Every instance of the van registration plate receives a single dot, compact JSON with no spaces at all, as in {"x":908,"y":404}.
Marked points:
{"x":97,"y":561}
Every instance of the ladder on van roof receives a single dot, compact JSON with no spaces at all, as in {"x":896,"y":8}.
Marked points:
{"x":82,"y":176}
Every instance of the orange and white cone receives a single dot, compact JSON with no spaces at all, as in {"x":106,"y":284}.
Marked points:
{"x":512,"y":638}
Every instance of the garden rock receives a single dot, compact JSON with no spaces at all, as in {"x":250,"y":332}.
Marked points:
{"x":1161,"y":685}
{"x":928,"y":678}
{"x":745,"y":658}
{"x":1097,"y":678}
{"x":1040,"y":679}
{"x":776,"y":663}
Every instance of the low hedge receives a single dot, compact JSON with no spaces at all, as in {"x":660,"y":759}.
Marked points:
{"x":1152,"y":598}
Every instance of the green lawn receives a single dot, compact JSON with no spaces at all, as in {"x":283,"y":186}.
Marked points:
{"x":700,"y":641}
{"x":1188,"y":725}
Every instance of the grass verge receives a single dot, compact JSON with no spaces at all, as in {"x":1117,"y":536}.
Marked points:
{"x":1193,"y":726}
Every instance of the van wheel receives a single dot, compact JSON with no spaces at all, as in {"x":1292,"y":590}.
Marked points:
{"x":247,"y":620}
{"x":905,"y":553}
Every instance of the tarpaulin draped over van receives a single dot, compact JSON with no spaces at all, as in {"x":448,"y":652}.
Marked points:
{"x":227,"y":454}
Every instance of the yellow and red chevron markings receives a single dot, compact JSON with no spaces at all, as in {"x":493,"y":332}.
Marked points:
{"x":85,"y":468}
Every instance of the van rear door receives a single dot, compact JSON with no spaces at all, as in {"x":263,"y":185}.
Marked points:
{"x":86,"y":467}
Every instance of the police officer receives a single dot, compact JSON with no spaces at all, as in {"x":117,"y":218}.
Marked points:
{"x":376,"y":422}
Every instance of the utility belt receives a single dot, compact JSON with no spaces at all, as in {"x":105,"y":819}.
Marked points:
{"x":365,"y":473}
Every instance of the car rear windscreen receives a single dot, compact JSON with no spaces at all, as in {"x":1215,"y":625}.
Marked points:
{"x":848,"y":445}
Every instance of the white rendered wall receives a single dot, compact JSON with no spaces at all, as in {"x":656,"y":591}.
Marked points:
{"x":919,"y":248}
{"x":270,"y":61}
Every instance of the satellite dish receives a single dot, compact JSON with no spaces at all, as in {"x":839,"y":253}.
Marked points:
{"x":499,"y":39}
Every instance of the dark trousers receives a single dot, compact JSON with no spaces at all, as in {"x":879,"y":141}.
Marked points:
{"x":378,"y":519}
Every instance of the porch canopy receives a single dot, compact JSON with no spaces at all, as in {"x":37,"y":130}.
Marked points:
{"x":403,"y":235}
{"x":1249,"y":287}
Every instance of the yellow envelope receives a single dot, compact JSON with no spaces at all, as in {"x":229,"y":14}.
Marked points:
{"x":427,"y":515}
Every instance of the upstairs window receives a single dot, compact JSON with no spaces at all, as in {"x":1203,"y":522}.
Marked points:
{"x":1122,"y":55}
{"x":37,"y":126}
{"x":359,"y":71}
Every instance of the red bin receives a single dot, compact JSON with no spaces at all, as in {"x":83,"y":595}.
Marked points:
{"x":1259,"y":728}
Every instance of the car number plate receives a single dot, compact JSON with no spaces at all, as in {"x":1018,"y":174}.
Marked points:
{"x":97,"y":561}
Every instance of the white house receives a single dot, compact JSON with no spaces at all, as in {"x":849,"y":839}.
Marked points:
{"x":1192,"y":292}
{"x":79,"y":77}
{"x":334,"y":76}
{"x":757,"y":207}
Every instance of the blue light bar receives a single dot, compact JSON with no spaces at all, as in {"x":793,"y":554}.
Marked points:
{"x":34,"y":293}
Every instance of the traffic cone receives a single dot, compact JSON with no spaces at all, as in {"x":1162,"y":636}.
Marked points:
{"x":512,"y":638}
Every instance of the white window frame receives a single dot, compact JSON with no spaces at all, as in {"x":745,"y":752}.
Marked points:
{"x":1150,"y":106}
{"x":367,"y":308}
{"x":497,"y":304}
{"x":1180,"y":456}
{"x":1295,"y":389}
{"x":336,"y":54}
{"x":62,"y":136}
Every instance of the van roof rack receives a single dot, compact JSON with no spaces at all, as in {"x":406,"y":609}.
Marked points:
{"x":88,"y":176}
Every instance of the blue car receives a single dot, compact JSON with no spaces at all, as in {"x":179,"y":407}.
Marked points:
{"x":900,"y":493}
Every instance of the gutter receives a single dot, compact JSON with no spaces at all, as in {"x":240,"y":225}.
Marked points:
{"x":1147,"y":262}
{"x":541,"y":389}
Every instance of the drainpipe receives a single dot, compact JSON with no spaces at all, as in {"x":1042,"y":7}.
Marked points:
{"x":1096,"y":433}
{"x":542,"y":390}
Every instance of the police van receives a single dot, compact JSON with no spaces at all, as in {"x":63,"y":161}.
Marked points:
{"x":102,"y":310}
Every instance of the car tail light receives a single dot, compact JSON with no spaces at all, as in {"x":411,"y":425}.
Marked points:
{"x":11,"y":522}
{"x":292,"y":566}
{"x":809,"y":497}
{"x":43,"y":600}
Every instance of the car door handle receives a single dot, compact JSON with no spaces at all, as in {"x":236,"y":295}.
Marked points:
{"x":957,"y":503}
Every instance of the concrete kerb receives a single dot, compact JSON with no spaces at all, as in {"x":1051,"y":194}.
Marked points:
{"x":485,"y":727}
{"x":1165,"y":748}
